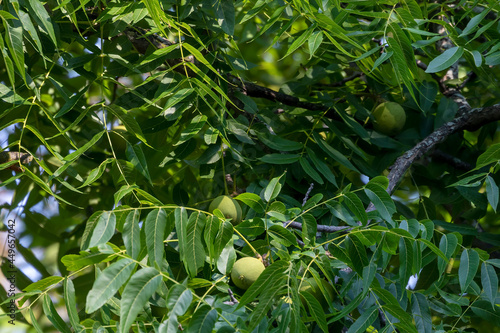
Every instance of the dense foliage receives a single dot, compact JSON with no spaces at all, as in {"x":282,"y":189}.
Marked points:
{"x":135,"y":115}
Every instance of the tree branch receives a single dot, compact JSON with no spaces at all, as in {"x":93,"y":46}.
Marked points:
{"x":470,"y":120}
{"x":254,"y":90}
{"x":321,"y":227}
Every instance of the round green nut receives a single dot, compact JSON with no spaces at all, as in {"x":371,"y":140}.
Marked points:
{"x":310,"y":285}
{"x":228,"y":206}
{"x":389,"y":117}
{"x":246,"y":271}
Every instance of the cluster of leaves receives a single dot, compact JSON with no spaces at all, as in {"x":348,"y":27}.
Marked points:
{"x":141,"y":113}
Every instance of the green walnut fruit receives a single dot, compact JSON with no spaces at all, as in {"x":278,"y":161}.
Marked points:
{"x":228,"y":206}
{"x":390,"y":118}
{"x":310,"y":285}
{"x":246,"y":271}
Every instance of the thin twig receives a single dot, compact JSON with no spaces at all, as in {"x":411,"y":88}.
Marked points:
{"x":307,"y":194}
{"x":320,"y":228}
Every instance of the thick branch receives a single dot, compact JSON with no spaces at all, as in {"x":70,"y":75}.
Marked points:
{"x":470,"y":120}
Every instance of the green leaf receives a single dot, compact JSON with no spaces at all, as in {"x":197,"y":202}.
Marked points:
{"x":70,"y":302}
{"x":364,"y":321}
{"x":226,"y":258}
{"x":157,"y":14}
{"x":14,"y":39}
{"x":405,"y":259}
{"x":181,"y":222}
{"x":43,"y":283}
{"x":316,"y":309}
{"x":71,"y":102}
{"x":478,"y":58}
{"x":28,"y":26}
{"x":473,"y":23}
{"x":137,"y":158}
{"x":43,"y":19}
{"x":141,"y":286}
{"x":256,"y":9}
{"x":309,"y":229}
{"x":335,"y":154}
{"x":192,"y":129}
{"x":405,"y":320}
{"x":298,"y":42}
{"x":197,"y":54}
{"x":51,"y":313}
{"x":96,"y":173}
{"x":367,"y":54}
{"x":74,"y":262}
{"x":306,"y":166}
{"x":266,"y":300}
{"x":280,"y":158}
{"x":107,"y":284}
{"x":322,"y":167}
{"x":349,"y":307}
{"x":45,"y":187}
{"x":489,"y":280}
{"x":155,"y":227}
{"x":253,"y":201}
{"x":282,"y":235}
{"x":179,"y":299}
{"x":357,"y":253}
{"x":194,"y":246}
{"x":34,"y":321}
{"x":6,"y":94}
{"x":492,"y":192}
{"x":70,"y":158}
{"x":469,"y":263}
{"x":403,"y":45}
{"x":483,"y":310}
{"x":223,"y":237}
{"x":381,"y":200}
{"x":212,"y":227}
{"x":123,"y":191}
{"x":445,"y":60}
{"x":385,"y":296}
{"x":433,"y":248}
{"x":384,"y":56}
{"x":99,"y":229}
{"x":491,"y":155}
{"x":128,"y":121}
{"x":421,"y":313}
{"x":368,"y":275}
{"x":273,"y":188}
{"x":380,"y":180}
{"x":355,"y":205}
{"x":224,"y":10}
{"x":278,"y":143}
{"x":315,"y":42}
{"x":447,"y":244}
{"x":339,"y":253}
{"x":132,"y":234}
{"x":203,"y":320}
